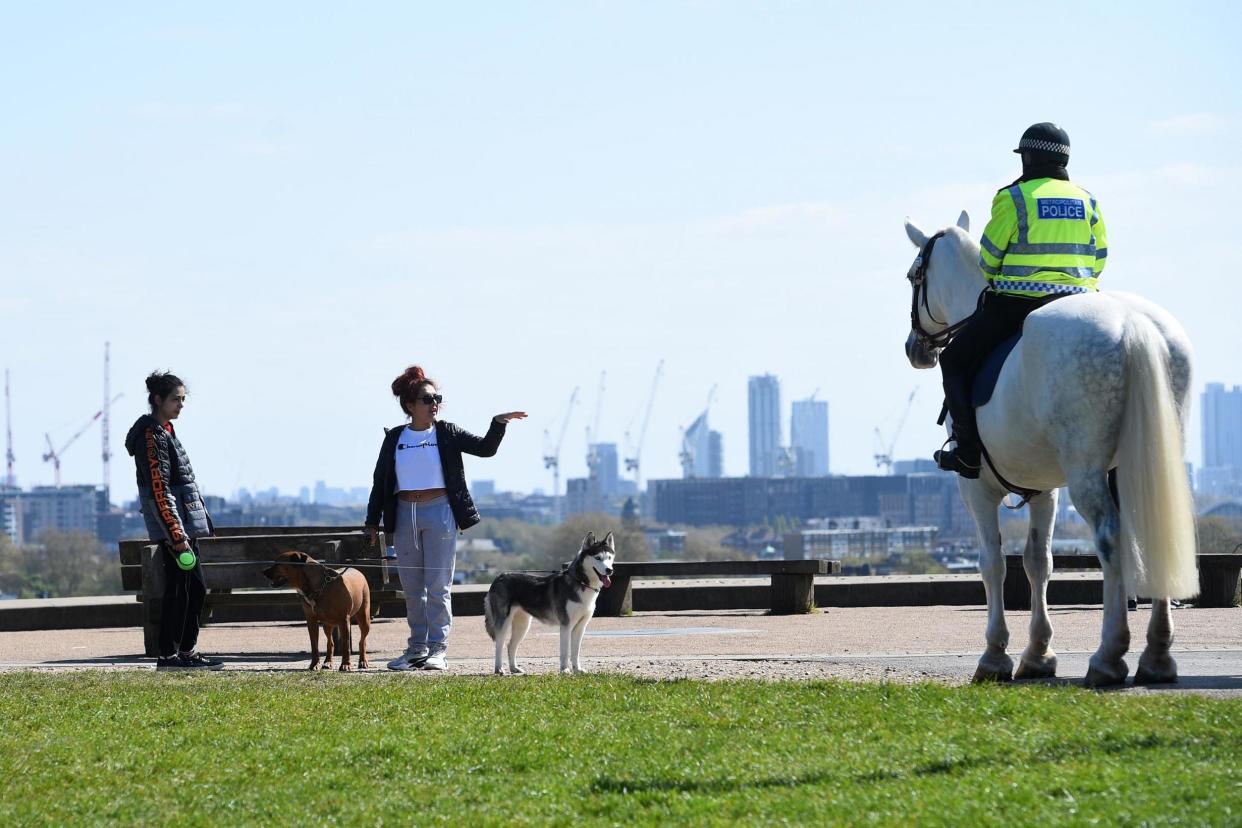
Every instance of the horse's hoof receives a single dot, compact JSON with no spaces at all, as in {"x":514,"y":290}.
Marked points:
{"x":985,"y":675}
{"x":1105,"y":675}
{"x":1160,"y":669}
{"x":1036,"y":667}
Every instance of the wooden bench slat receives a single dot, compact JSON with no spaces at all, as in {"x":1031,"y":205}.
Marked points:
{"x":792,"y":587}
{"x":266,"y":547}
{"x":248,"y":531}
{"x":812,"y":566}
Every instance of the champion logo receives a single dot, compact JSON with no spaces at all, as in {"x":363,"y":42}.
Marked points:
{"x":424,"y":444}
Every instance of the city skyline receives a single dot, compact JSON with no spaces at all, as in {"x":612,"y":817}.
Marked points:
{"x":1219,"y":434}
{"x":266,"y":214}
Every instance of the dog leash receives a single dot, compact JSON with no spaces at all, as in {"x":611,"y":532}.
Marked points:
{"x":343,"y":566}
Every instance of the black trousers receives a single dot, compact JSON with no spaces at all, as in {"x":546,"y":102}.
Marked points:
{"x":1000,"y":317}
{"x":184,"y":593}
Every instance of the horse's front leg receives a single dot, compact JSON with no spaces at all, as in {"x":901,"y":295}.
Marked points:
{"x":1095,"y":503}
{"x":1038,"y":659}
{"x":982,"y":501}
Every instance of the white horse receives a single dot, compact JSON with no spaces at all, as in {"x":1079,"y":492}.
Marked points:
{"x":1098,"y":381}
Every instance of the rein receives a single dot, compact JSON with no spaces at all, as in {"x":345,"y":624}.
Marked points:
{"x":918,"y":284}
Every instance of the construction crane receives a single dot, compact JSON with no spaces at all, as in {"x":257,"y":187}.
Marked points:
{"x":592,"y":437}
{"x":10,"y":479}
{"x":105,"y":427}
{"x":632,"y":463}
{"x":884,"y":451}
{"x":552,"y":453}
{"x":687,"y":455}
{"x":54,"y":454}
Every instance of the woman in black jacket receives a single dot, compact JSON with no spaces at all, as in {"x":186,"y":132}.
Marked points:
{"x":175,"y":516}
{"x":419,"y":497}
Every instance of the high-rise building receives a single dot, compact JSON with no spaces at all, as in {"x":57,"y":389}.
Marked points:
{"x":63,"y":508}
{"x":764,"y":397}
{"x":607,"y":471}
{"x":696,"y":448}
{"x":808,"y":436}
{"x":1221,"y":471}
{"x":715,"y":454}
{"x":702,"y":450}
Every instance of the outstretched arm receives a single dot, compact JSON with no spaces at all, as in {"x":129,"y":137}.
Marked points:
{"x":486,"y":445}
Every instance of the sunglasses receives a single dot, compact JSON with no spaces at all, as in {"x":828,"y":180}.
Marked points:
{"x":428,"y":399}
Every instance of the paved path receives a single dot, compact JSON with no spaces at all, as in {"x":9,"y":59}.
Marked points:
{"x":881,"y":643}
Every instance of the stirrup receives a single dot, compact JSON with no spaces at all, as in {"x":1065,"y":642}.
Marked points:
{"x":948,"y":460}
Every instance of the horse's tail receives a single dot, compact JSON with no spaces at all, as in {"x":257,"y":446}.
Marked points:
{"x":1157,"y":511}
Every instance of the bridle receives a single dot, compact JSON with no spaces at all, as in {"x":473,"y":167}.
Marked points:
{"x":927,"y":340}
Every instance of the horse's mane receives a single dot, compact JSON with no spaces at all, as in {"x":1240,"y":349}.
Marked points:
{"x":962,"y":243}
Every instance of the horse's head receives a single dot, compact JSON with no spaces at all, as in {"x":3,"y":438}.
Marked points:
{"x":945,"y":284}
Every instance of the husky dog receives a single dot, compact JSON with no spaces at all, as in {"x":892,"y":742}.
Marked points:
{"x":566,"y":599}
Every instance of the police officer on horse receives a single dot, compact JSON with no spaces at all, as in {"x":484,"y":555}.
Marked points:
{"x":1045,"y":240}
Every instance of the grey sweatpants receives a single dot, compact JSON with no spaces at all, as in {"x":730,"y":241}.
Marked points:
{"x":426,"y":543}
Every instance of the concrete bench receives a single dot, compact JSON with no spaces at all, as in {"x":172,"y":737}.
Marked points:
{"x":1219,"y":577}
{"x":792,"y":590}
{"x":233,"y":562}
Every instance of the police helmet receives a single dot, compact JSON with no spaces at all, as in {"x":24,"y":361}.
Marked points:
{"x":1047,"y":140}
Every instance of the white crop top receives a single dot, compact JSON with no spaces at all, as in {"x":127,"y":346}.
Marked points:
{"x":418,"y":461}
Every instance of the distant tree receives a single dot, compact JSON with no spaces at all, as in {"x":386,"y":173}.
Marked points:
{"x":703,"y":544}
{"x":61,"y":564}
{"x":519,"y":539}
{"x":567,"y":539}
{"x":629,"y":514}
{"x":1216,"y":535}
{"x":12,"y":567}
{"x":920,"y":562}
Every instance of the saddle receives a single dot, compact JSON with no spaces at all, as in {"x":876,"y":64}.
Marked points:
{"x":981,"y":388}
{"x":984,"y":383}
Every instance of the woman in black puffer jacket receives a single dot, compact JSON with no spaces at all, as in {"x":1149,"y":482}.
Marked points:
{"x":419,"y":497}
{"x":175,"y":516}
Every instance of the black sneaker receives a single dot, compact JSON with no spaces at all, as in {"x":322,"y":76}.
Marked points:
{"x":171,"y":662}
{"x":197,"y":661}
{"x":952,"y":461}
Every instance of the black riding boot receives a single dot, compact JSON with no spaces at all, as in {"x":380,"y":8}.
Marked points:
{"x":964,"y":458}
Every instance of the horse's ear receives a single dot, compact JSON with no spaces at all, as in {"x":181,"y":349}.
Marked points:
{"x":963,"y":221}
{"x":917,"y":236}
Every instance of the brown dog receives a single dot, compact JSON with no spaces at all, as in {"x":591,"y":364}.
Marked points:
{"x":329,"y":598}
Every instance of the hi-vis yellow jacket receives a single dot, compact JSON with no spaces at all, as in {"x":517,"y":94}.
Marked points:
{"x":1045,"y":236}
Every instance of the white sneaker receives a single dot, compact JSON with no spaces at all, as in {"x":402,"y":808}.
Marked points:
{"x":407,"y":661}
{"x":436,"y":661}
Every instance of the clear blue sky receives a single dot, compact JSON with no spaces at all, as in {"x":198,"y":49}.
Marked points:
{"x":287,"y":204}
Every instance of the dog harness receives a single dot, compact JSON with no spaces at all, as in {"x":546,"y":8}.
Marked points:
{"x":329,"y":575}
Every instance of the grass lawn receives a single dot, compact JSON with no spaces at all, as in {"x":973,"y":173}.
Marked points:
{"x":302,"y":749}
